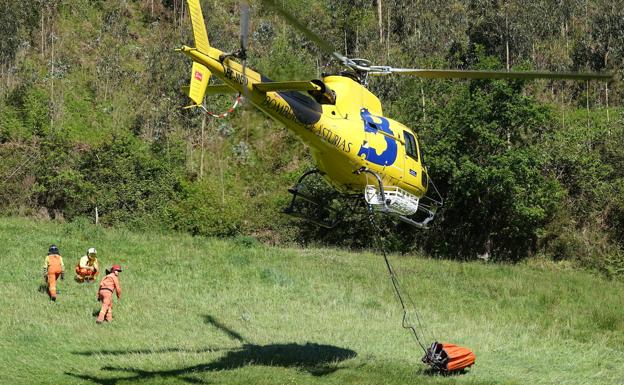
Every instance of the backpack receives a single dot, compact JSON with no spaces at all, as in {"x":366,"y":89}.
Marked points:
{"x":448,"y":357}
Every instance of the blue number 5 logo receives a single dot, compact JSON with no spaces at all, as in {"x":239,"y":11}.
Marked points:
{"x":387,"y":157}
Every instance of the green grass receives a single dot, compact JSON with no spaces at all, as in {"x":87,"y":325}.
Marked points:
{"x":205,"y":311}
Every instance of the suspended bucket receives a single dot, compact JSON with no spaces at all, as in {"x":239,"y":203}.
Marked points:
{"x":448,"y":358}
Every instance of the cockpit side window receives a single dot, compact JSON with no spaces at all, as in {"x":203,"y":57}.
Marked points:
{"x":411,"y":148}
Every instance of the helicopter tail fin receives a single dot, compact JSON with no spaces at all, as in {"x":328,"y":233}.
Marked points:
{"x":199,"y":27}
{"x":200,"y":74}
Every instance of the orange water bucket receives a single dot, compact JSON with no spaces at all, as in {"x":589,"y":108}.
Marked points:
{"x":448,"y":357}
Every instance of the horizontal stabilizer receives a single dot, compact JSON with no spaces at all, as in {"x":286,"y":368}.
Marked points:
{"x":199,"y":81}
{"x":286,"y":86}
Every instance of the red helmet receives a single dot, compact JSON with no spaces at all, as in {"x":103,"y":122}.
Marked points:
{"x":116,"y":268}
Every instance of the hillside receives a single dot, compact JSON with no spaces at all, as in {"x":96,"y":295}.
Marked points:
{"x":197,"y":310}
{"x":92,"y":118}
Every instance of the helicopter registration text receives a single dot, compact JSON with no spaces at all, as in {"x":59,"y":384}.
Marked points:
{"x":236,"y":76}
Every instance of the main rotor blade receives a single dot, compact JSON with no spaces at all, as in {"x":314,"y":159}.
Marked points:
{"x":308,"y":33}
{"x":244,"y":34}
{"x":478,"y":74}
{"x":244,"y":24}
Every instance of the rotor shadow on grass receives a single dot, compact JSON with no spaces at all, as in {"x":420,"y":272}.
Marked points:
{"x":316,"y":359}
{"x":207,"y":318}
{"x":106,"y":352}
{"x":216,"y":323}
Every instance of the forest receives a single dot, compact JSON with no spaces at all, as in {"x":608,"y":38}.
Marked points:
{"x":92,"y":125}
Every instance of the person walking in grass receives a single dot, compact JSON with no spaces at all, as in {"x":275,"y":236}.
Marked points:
{"x":109,"y":284}
{"x":53,"y":268}
{"x":88,"y":268}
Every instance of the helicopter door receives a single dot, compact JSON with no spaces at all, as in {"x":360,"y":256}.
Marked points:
{"x":414,"y":172}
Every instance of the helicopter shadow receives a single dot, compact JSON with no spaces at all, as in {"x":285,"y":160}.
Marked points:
{"x":315,"y":359}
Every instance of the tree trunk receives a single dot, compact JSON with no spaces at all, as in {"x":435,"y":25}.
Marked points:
{"x":201,"y":156}
{"x":422,"y":95}
{"x":387,"y":35}
{"x":567,"y":40}
{"x":606,"y":57}
{"x":380,"y":17}
{"x":357,"y":41}
{"x":607,"y":104}
{"x":587,"y":102}
{"x":506,"y":38}
{"x":42,"y":35}
{"x":52,"y":86}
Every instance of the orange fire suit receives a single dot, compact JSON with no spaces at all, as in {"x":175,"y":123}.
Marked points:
{"x":109,"y":284}
{"x":87,"y":268}
{"x":53,"y":267}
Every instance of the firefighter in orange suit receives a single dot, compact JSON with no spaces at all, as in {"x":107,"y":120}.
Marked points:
{"x":53,"y":268}
{"x":88,"y":268}
{"x":108,"y":286}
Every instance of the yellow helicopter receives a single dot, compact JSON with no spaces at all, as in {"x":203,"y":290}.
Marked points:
{"x":356,"y":149}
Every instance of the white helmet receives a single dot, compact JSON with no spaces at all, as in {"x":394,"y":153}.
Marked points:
{"x":92,"y":251}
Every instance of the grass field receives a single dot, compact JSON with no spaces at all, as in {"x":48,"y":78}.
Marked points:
{"x":205,"y":311}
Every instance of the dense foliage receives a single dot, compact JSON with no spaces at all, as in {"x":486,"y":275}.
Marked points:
{"x":90,"y":117}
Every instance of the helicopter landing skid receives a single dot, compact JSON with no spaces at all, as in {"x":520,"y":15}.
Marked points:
{"x":331,"y":218}
{"x":424,"y":224}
